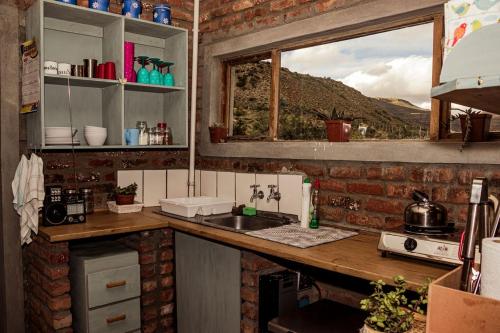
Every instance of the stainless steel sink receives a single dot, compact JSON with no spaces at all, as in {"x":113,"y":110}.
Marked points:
{"x":245,"y":223}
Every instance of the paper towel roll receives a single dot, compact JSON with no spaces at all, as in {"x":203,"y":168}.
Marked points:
{"x":490,"y":268}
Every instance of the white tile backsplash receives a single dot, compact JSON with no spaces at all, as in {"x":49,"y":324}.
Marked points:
{"x":155,"y":187}
{"x":290,"y":187}
{"x":264,"y":180}
{"x":226,"y":185}
{"x":243,"y":190}
{"x":127,"y":177}
{"x":177,"y":180}
{"x":208,"y":183}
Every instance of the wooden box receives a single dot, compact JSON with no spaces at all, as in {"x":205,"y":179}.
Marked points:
{"x":452,"y":310}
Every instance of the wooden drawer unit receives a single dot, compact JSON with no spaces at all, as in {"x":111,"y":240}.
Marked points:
{"x":116,"y":318}
{"x":105,"y":288}
{"x":113,"y":285}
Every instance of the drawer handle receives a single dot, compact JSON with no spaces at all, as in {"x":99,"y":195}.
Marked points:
{"x":116,"y":318}
{"x":114,"y":284}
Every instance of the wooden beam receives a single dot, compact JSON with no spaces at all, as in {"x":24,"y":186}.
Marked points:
{"x":439,"y":109}
{"x":274,"y":103}
{"x":225,"y":86}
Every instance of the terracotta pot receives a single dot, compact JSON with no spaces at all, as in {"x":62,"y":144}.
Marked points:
{"x":218,"y":134}
{"x":480,"y":127}
{"x":338,"y":130}
{"x":124,"y":199}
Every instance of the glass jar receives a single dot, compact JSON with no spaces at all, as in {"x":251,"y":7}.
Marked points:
{"x":152,"y":136}
{"x":142,"y":126}
{"x":87,"y":195}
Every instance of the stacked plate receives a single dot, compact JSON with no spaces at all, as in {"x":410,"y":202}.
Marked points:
{"x":95,"y":136}
{"x":59,"y":136}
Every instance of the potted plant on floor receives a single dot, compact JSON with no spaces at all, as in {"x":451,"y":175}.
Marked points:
{"x":338,"y":126}
{"x":125,"y":195}
{"x":475,"y":125}
{"x":218,"y":133}
{"x":391,"y":312}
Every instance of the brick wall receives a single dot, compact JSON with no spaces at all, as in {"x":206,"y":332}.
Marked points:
{"x":47,"y":287}
{"x":156,"y":257}
{"x":252,"y":266}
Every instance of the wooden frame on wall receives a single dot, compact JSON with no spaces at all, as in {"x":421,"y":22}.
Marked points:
{"x":440,"y":111}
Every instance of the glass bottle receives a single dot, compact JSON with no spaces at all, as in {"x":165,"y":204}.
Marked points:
{"x":142,"y":126}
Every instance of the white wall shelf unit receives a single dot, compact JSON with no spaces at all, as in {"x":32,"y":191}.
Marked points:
{"x":69,"y":34}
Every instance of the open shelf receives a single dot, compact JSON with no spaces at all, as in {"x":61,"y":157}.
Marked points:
{"x":151,"y":29}
{"x":132,"y":86}
{"x":79,"y":81}
{"x":112,"y":147}
{"x":77,"y":14}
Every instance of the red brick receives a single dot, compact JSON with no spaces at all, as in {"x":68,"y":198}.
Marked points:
{"x":278,"y":5}
{"x":309,"y":169}
{"x":365,"y":220}
{"x":249,"y":326}
{"x":394,"y":173}
{"x":254,"y":263}
{"x":52,"y":272}
{"x":166,"y":255}
{"x":249,"y":294}
{"x":242,"y":4}
{"x":374,"y":173}
{"x":345,"y":172}
{"x":385,"y":206}
{"x":166,"y":323}
{"x":417,"y":174}
{"x":147,"y":258}
{"x":167,"y":281}
{"x":149,"y":285}
{"x":365,"y":188}
{"x":393,"y":222}
{"x":152,"y":325}
{"x":249,"y":310}
{"x":55,"y":287}
{"x":333,"y":185}
{"x":167,"y":295}
{"x":298,"y":13}
{"x":59,"y":303}
{"x":166,"y":268}
{"x":438,"y":175}
{"x":148,"y":271}
{"x":249,"y":278}
{"x":149,"y":313}
{"x":458,"y":196}
{"x":167,"y":309}
{"x":335,"y":214}
{"x":148,"y":299}
{"x":402,"y":190}
{"x":440,"y":194}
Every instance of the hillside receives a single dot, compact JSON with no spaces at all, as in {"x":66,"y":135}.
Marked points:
{"x":303,"y":97}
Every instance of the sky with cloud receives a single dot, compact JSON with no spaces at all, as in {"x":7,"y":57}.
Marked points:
{"x":397,"y":63}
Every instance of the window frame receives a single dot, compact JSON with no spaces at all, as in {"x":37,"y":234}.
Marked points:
{"x":439,"y":128}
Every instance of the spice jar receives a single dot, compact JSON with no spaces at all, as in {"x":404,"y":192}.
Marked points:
{"x":87,"y":195}
{"x":151,"y":136}
{"x":162,"y":133}
{"x":142,"y":126}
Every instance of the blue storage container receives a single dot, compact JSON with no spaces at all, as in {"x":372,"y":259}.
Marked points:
{"x":161,"y":14}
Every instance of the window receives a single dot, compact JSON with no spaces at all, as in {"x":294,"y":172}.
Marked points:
{"x":382,"y":80}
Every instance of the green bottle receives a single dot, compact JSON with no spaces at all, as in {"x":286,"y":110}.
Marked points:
{"x":314,"y":224}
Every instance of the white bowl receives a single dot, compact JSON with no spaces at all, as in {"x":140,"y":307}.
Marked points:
{"x":95,"y":140}
{"x":57,"y":131}
{"x":94,"y":128}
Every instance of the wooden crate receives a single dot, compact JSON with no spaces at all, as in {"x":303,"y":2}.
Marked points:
{"x":452,"y":310}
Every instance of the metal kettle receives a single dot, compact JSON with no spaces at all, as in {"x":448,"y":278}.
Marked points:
{"x":424,"y":213}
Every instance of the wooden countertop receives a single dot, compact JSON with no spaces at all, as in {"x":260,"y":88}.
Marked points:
{"x":355,"y":256}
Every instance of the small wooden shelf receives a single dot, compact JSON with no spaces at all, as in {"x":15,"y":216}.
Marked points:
{"x":150,"y":87}
{"x":151,"y":29}
{"x":79,"y":81}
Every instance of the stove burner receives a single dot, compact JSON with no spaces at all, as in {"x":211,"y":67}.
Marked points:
{"x":435,"y":231}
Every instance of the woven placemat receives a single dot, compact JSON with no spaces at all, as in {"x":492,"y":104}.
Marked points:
{"x":294,"y":235}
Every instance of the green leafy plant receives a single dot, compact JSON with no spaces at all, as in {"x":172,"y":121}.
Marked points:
{"x":390,"y":311}
{"x":127,"y":190}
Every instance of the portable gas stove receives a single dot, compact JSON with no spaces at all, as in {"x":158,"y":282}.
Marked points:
{"x":435,"y":244}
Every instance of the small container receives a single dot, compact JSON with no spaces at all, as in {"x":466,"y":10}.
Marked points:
{"x":161,"y":14}
{"x":90,"y":67}
{"x":50,"y":67}
{"x":142,"y":126}
{"x":132,"y":8}
{"x":151,"y":136}
{"x":88,"y":196}
{"x":102,"y":5}
{"x":80,"y":70}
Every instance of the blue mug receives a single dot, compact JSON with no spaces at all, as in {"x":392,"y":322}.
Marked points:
{"x":131,"y":8}
{"x":161,"y":14}
{"x":70,"y":2}
{"x":102,"y":5}
{"x":132,"y":136}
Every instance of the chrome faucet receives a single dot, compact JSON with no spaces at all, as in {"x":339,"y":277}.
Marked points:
{"x":256,"y":194}
{"x":273,"y":194}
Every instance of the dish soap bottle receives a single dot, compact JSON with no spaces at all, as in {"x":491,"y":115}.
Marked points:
{"x":314,"y":224}
{"x":306,"y":200}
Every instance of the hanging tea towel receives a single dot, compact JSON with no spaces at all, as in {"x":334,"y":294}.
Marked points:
{"x":28,"y":190}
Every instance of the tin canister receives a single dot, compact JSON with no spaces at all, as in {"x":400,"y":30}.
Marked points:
{"x":71,"y":2}
{"x":131,"y":8}
{"x":102,"y":5}
{"x":161,"y":14}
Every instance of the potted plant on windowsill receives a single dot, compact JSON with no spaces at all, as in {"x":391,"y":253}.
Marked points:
{"x":338,"y":126}
{"x":390,"y":311}
{"x":475,"y":125}
{"x":218,"y":133}
{"x":125,"y":195}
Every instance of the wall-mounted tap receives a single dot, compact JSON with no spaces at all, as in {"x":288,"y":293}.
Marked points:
{"x":273,"y":194}
{"x":256,"y":194}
